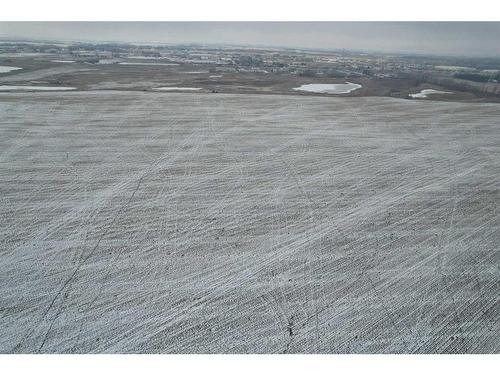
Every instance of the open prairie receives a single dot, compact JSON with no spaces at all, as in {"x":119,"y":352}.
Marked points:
{"x":156,"y":222}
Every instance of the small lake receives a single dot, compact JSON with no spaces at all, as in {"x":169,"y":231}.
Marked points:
{"x":6,"y":69}
{"x":35,"y":88}
{"x":425,"y":93}
{"x":329,"y":88}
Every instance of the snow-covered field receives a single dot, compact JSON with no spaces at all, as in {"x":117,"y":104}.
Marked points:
{"x":34,"y":88}
{"x":189,"y":222}
{"x":329,"y":88}
{"x":453,"y":68}
{"x":63,"y":61}
{"x":40,"y":74}
{"x":7,"y":69}
{"x":425,"y":93}
{"x":172,"y":88}
{"x":148,"y":64}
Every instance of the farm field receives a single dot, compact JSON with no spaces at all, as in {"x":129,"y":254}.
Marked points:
{"x":164,"y":222}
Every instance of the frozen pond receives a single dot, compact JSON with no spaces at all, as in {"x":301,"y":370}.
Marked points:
{"x":425,"y":93}
{"x":35,"y":88}
{"x":150,"y":64}
{"x":6,"y":69}
{"x":329,"y":88}
{"x":177,"y":88}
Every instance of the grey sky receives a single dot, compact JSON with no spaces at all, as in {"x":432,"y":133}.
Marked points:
{"x":457,"y":38}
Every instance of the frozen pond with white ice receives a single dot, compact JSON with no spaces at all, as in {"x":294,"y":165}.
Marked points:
{"x":329,"y":88}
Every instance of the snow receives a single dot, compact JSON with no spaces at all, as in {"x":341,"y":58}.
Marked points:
{"x":151,"y":64}
{"x":148,"y":57}
{"x":426,"y":92}
{"x":134,"y":222}
{"x":35,"y":88}
{"x":453,"y":68}
{"x":329,"y":88}
{"x":7,"y":69}
{"x":172,"y":88}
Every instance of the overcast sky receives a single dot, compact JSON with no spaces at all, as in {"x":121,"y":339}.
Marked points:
{"x":456,"y":38}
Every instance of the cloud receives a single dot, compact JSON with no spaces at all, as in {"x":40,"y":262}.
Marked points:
{"x":459,"y":38}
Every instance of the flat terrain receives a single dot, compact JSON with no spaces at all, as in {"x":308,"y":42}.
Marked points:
{"x":90,"y":77}
{"x":193,"y":223}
